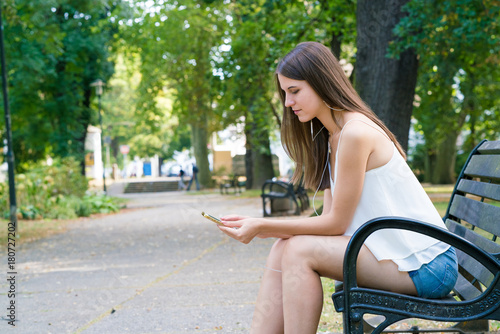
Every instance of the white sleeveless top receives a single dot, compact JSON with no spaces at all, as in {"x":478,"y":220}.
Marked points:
{"x":393,"y":190}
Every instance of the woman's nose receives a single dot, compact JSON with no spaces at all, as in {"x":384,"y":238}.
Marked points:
{"x":289,"y":102}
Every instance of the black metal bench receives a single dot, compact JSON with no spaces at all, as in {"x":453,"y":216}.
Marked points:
{"x":473,"y":220}
{"x":227,"y":183}
{"x":281,"y":198}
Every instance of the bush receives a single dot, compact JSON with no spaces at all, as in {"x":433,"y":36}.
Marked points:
{"x":57,"y":191}
{"x":84,"y":209}
{"x":103,"y":204}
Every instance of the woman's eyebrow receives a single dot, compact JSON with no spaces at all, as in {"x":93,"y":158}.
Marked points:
{"x":292,"y":87}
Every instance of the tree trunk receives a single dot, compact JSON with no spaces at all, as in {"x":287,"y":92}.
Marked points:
{"x":428,"y":166}
{"x":336,"y":44}
{"x":84,"y":121}
{"x":199,"y":141}
{"x":444,"y":166}
{"x":248,"y":157}
{"x":258,"y":159}
{"x":262,"y":160}
{"x":386,"y":85}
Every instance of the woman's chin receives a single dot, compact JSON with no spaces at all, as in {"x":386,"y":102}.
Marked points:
{"x":303,"y":119}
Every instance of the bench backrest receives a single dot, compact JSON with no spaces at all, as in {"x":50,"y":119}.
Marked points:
{"x":474,"y":213}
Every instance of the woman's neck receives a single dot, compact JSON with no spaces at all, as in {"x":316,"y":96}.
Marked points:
{"x":330,"y":124}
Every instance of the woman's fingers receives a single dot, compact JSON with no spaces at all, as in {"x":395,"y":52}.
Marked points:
{"x":233,"y":217}
{"x":235,"y":234}
{"x":242,"y":231}
{"x":232,"y":223}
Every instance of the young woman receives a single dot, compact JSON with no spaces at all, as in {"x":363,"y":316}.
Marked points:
{"x":337,"y":142}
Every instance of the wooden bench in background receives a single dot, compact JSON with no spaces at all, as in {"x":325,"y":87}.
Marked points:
{"x":473,"y":220}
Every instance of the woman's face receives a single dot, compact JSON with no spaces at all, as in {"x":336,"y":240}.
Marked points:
{"x":301,"y":97}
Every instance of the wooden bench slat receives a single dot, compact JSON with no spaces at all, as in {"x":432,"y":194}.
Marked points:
{"x":490,"y":147}
{"x":482,"y":189}
{"x":484,"y":166}
{"x":474,"y":268}
{"x":480,"y":241}
{"x":465,"y":290}
{"x":482,"y":215}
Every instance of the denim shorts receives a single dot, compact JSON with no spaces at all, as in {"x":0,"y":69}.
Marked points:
{"x":437,"y":278}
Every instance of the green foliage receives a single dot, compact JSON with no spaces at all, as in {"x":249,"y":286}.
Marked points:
{"x":458,"y":86}
{"x":171,"y":79}
{"x":54,"y":50}
{"x":100,"y":204}
{"x":217,"y":59}
{"x":184,"y":69}
{"x":57,"y":191}
{"x":177,"y":47}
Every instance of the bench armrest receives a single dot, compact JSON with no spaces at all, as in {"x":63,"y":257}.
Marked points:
{"x":397,"y":307}
{"x":283,"y":187}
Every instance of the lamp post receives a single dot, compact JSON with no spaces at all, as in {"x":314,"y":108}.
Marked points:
{"x":98,"y":84}
{"x":10,"y":152}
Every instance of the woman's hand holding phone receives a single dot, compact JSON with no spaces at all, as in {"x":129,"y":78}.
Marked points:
{"x":241,"y":228}
{"x":212,"y":218}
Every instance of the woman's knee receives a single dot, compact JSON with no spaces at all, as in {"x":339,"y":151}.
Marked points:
{"x":276,"y":254}
{"x":323,"y":255}
{"x":298,"y":250}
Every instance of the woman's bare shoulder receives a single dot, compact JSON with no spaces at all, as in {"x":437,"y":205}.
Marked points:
{"x":369,"y":141}
{"x":354,"y":139}
{"x":357,"y":131}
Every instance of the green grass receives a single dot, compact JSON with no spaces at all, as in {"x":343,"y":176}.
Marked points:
{"x":331,"y":320}
{"x":438,"y":188}
{"x":441,"y":207}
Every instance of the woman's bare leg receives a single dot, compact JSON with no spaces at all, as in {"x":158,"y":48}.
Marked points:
{"x":302,"y":289}
{"x":306,"y":258}
{"x":268,"y":315}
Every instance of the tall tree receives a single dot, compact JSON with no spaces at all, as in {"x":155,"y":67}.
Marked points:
{"x":386,"y":84}
{"x":459,"y":78}
{"x":249,"y":85}
{"x":176,"y":44}
{"x":56,"y":49}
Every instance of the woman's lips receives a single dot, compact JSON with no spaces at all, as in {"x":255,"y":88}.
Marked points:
{"x":296,"y":112}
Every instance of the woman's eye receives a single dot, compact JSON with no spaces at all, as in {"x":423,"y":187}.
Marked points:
{"x":294,"y":92}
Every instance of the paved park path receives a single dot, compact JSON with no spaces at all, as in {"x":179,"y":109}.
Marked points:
{"x":161,"y":268}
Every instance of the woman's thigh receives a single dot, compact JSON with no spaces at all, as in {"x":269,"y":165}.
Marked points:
{"x":325,"y":255}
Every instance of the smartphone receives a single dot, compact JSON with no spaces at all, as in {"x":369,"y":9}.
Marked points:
{"x":212,"y":218}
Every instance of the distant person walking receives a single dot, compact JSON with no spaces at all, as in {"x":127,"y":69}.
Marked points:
{"x":195,"y":178}
{"x":181,"y":186}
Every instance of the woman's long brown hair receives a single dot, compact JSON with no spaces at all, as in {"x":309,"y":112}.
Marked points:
{"x":315,"y":63}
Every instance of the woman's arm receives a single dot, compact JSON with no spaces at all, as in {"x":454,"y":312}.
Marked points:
{"x":354,"y":151}
{"x":327,"y":200}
